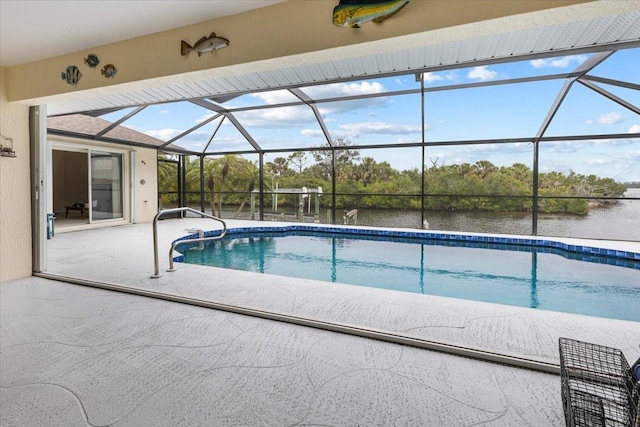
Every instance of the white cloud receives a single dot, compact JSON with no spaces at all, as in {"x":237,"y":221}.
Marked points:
{"x":333,"y":90}
{"x":451,"y":76}
{"x":302,"y":115}
{"x":634,"y":129}
{"x":563,"y":146}
{"x":382,"y":128}
{"x":313,"y":133}
{"x":370,"y":104}
{"x":599,"y":161}
{"x":275,"y":97}
{"x":344,"y":89}
{"x":608,"y":119}
{"x":281,"y":115}
{"x":355,"y":130}
{"x":482,"y":73}
{"x":538,"y":63}
{"x":276,"y":118}
{"x":164,"y":134}
{"x":431,"y":77}
{"x":562,"y":62}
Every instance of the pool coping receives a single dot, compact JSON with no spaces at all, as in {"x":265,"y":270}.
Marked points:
{"x":585,"y":252}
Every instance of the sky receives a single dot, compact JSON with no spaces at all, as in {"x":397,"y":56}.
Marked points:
{"x":503,"y":111}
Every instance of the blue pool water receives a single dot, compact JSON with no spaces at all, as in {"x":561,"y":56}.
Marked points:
{"x":520,"y":275}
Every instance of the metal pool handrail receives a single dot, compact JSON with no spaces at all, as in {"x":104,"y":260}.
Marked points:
{"x":176,"y":243}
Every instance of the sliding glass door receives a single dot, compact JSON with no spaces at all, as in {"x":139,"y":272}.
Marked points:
{"x":107,"y":195}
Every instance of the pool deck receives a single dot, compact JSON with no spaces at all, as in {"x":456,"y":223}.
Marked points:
{"x":94,"y":356}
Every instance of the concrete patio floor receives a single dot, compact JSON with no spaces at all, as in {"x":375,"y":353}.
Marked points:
{"x":75,"y":355}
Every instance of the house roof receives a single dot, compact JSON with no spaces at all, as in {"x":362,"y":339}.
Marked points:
{"x":85,"y":126}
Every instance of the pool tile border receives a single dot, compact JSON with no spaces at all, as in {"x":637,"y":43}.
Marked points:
{"x":585,"y":253}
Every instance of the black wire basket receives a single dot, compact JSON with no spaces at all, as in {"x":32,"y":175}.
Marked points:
{"x":598,"y":386}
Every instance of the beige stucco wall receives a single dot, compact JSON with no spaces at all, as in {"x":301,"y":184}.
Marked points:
{"x":265,"y":38}
{"x":146,"y":169}
{"x":15,"y":205}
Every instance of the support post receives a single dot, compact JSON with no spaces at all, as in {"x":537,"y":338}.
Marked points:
{"x":333,"y":186}
{"x":261,"y":184}
{"x":202,"y":183}
{"x":38,"y":139}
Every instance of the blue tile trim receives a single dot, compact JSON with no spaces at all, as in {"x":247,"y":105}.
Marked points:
{"x":585,"y":253}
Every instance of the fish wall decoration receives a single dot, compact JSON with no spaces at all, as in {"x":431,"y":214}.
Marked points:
{"x":92,"y":60}
{"x":71,"y":75}
{"x":109,"y":71}
{"x":352,"y":13}
{"x":204,"y":45}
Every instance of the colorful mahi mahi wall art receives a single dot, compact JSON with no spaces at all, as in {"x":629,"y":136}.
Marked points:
{"x":352,"y":13}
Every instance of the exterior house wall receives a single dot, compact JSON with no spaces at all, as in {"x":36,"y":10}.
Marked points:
{"x":140,"y":176}
{"x":146,"y":184}
{"x":15,"y":200}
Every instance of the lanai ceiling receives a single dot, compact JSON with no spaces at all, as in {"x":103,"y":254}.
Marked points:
{"x":599,"y":27}
{"x":416,"y":53}
{"x":32,"y":30}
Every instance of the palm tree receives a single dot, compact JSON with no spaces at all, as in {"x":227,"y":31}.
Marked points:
{"x":228,"y":174}
{"x":246,"y":199}
{"x":167,"y":180}
{"x":223,"y":177}
{"x":211,"y":171}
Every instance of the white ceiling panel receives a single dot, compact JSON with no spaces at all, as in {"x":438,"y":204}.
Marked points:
{"x":625,"y":27}
{"x":35,"y":29}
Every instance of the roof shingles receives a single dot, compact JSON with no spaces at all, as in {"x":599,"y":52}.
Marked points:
{"x":90,"y":126}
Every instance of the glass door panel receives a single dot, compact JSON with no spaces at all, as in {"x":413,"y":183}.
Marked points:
{"x":107,"y":201}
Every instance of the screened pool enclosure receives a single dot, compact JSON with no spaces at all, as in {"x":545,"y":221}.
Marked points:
{"x":543,"y":145}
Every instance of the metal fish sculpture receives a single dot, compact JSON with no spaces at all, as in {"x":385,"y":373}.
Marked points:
{"x":204,"y":45}
{"x":71,"y":75}
{"x":351,"y":13}
{"x":92,"y":60}
{"x":109,"y":71}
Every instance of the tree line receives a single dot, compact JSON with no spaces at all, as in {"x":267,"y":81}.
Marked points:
{"x":366,"y":183}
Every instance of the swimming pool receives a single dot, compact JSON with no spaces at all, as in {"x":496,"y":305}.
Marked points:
{"x":520,"y":272}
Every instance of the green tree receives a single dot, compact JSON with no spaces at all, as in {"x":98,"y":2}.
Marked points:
{"x":229,"y":179}
{"x":167,"y":181}
{"x":298,"y":160}
{"x":369,"y":184}
{"x":279,"y":166}
{"x":344,"y":156}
